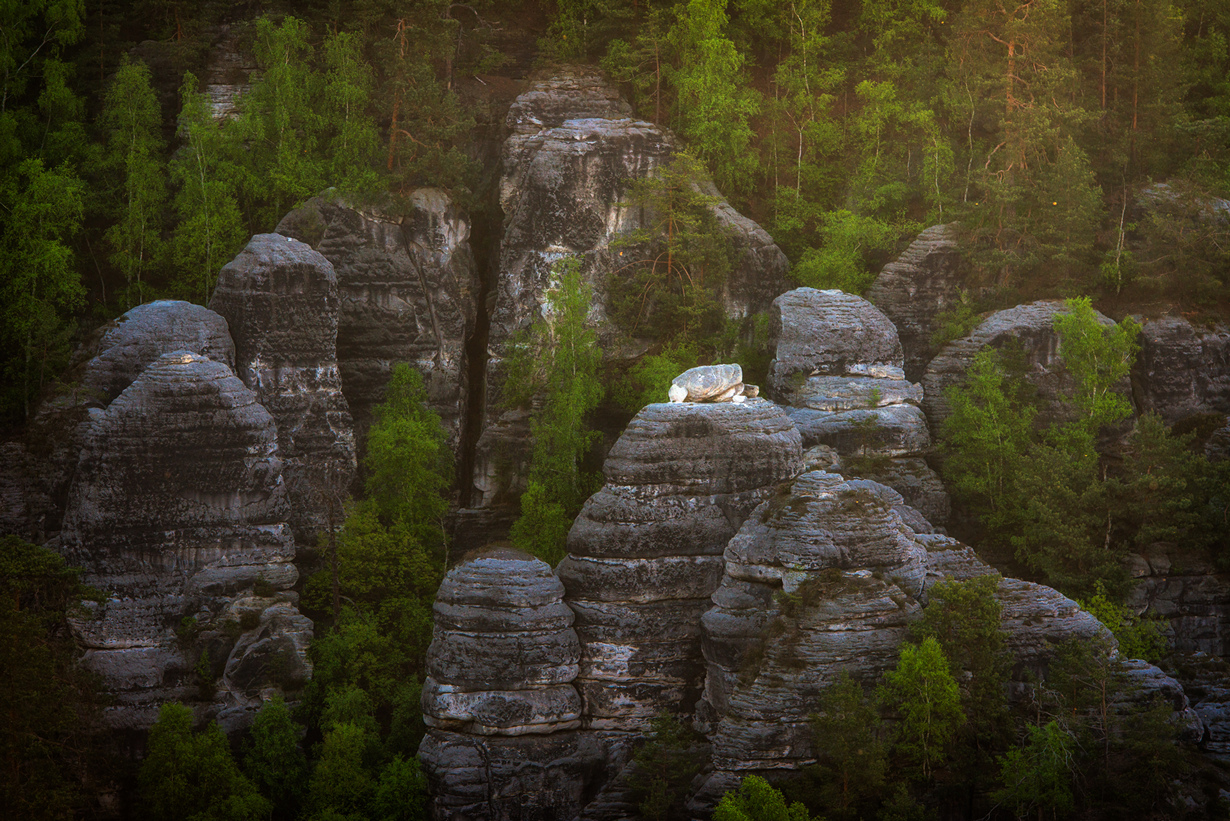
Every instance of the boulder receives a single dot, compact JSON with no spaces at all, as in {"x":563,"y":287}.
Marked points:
{"x":176,"y":511}
{"x":829,"y":333}
{"x":645,"y":552}
{"x":280,"y":299}
{"x":710,"y":383}
{"x":409,"y":292}
{"x":1182,"y":370}
{"x":894,"y":430}
{"x":917,"y":287}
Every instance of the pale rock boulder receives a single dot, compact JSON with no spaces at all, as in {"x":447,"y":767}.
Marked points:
{"x":280,"y":299}
{"x":711,"y":383}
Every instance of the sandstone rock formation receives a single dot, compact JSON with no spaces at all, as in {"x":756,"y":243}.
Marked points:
{"x":499,"y":699}
{"x":837,"y":367}
{"x":823,"y":578}
{"x":409,"y":292}
{"x":1181,"y":585}
{"x":176,"y":512}
{"x":1182,"y":370}
{"x":645,"y":552}
{"x":711,"y":383}
{"x":1030,"y":326}
{"x":917,"y":287}
{"x":281,"y":300}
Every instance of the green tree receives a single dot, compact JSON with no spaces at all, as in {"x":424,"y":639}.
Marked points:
{"x":715,"y":102}
{"x":924,"y":696}
{"x":757,"y":800}
{"x":849,"y":243}
{"x":190,"y":776}
{"x":665,"y":766}
{"x":401,"y":793}
{"x":852,"y":757}
{"x":355,"y":140}
{"x":1038,"y":774}
{"x":1139,"y":637}
{"x":132,"y":123}
{"x":39,"y":286}
{"x":560,"y":360}
{"x":1098,"y":358}
{"x":274,"y":759}
{"x":210,"y":228}
{"x":341,"y":787}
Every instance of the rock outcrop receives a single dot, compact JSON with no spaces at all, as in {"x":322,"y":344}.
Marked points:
{"x":916,"y":288}
{"x":572,"y":154}
{"x":177,"y":513}
{"x":409,"y":292}
{"x":645,"y":553}
{"x":1182,"y":370}
{"x":1182,"y":586}
{"x":1031,"y":327}
{"x":824,"y":578}
{"x":499,"y":699}
{"x":837,"y":367}
{"x":280,"y":299}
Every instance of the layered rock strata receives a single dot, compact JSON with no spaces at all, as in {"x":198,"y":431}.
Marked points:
{"x":1182,"y":586}
{"x":838,"y":367}
{"x":916,"y":288}
{"x":822,"y":579}
{"x":280,"y":299}
{"x":177,"y":511}
{"x":1182,"y":370}
{"x":499,"y":699}
{"x":409,"y":292}
{"x":573,"y":152}
{"x":645,"y":552}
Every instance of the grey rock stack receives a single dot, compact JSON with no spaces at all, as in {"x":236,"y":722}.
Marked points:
{"x":917,"y":287}
{"x":177,"y":510}
{"x":838,"y":368}
{"x":281,"y":300}
{"x":499,"y":699}
{"x":823,"y":578}
{"x":409,"y":292}
{"x":645,"y":552}
{"x":1182,"y":370}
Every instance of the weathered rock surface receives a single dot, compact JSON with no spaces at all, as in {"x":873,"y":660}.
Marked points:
{"x":829,"y":333}
{"x":572,"y":153}
{"x":1182,"y":370}
{"x":837,"y":366}
{"x":409,"y":292}
{"x":1031,"y":327}
{"x":1182,"y":586}
{"x":823,"y":578}
{"x":499,"y":699}
{"x":915,"y":288}
{"x":710,"y":383}
{"x":280,"y":299}
{"x":645,"y":552}
{"x":177,"y":510}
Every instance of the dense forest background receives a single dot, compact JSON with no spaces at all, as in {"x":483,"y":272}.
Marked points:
{"x":1082,"y":147}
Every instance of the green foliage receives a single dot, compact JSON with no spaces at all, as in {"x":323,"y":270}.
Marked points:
{"x":954,"y":322}
{"x":676,"y":260}
{"x":651,"y":376}
{"x":341,"y":786}
{"x":559,"y":359}
{"x":844,"y":260}
{"x":131,"y":124}
{"x":757,"y":800}
{"x":665,"y":767}
{"x":852,"y":756}
{"x":1139,"y":637}
{"x":274,"y":759}
{"x":190,"y":776}
{"x":1039,"y":773}
{"x":924,"y":696}
{"x":1098,"y":358}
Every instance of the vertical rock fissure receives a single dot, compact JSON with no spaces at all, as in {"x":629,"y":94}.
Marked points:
{"x":485,"y":234}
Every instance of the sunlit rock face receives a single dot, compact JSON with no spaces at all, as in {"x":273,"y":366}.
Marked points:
{"x":280,"y":299}
{"x":177,"y":510}
{"x":408,"y":292}
{"x":917,"y":287}
{"x":1182,"y":370}
{"x":572,"y":154}
{"x":499,"y":699}
{"x":645,"y":552}
{"x":837,"y":367}
{"x":824,"y":578}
